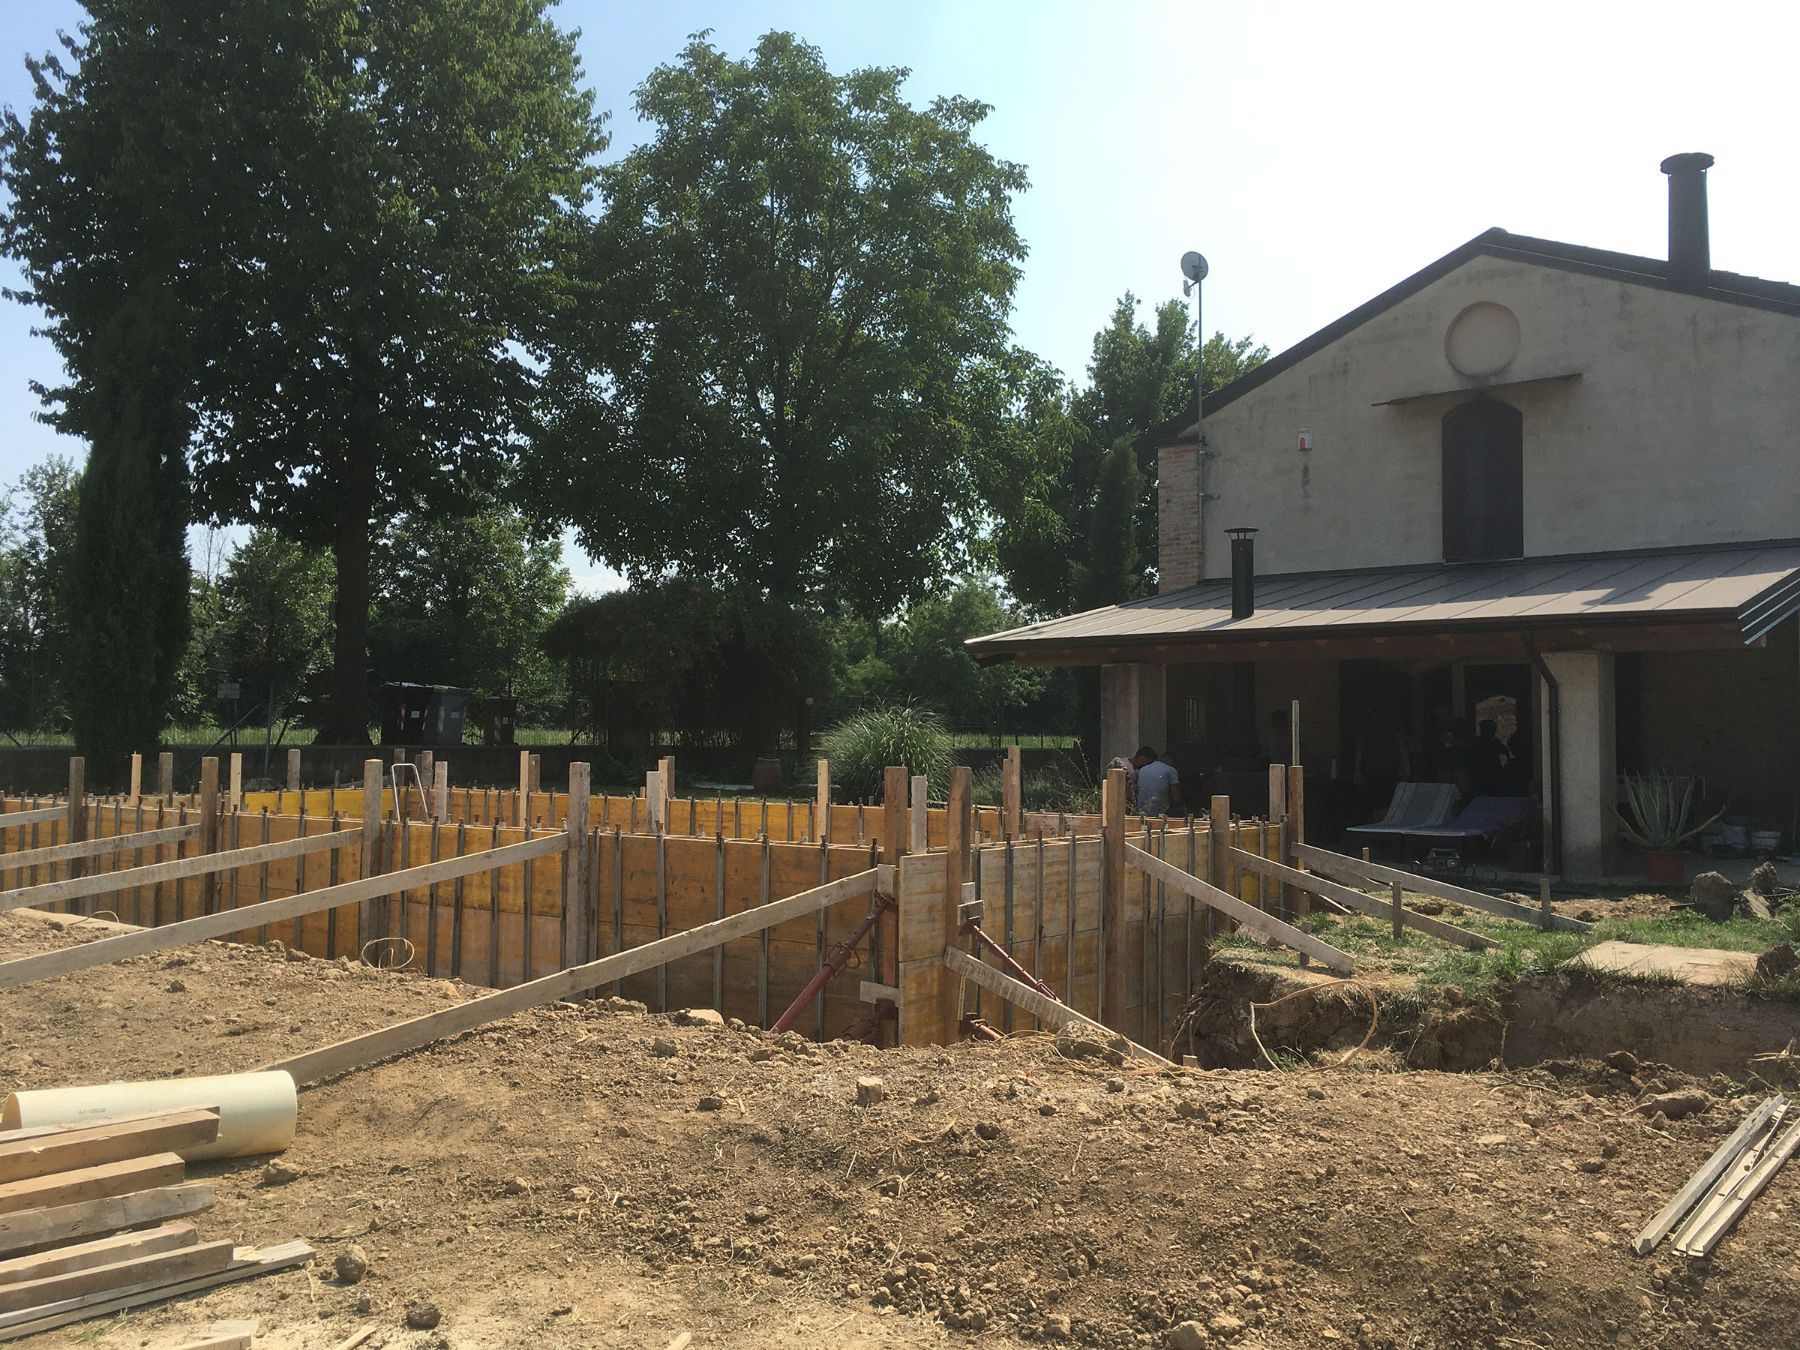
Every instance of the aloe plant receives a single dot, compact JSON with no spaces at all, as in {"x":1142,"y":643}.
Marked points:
{"x":1658,"y":813}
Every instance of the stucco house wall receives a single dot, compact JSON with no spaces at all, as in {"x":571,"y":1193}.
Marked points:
{"x":1679,"y":429}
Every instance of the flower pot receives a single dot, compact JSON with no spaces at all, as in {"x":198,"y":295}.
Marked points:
{"x":1666,"y":866}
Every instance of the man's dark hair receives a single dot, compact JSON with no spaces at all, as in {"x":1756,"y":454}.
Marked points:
{"x":1146,"y":752}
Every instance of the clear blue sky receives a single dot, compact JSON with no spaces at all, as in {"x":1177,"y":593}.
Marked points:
{"x":1315,"y":152}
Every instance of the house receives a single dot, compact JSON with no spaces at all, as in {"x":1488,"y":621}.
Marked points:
{"x":1535,"y":483}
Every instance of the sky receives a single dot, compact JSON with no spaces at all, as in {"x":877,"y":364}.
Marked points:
{"x":1315,"y":152}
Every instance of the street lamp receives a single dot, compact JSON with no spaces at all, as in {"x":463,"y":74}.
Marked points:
{"x":1193,"y":271}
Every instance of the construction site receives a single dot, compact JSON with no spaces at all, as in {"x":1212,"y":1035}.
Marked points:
{"x":430,"y":1064}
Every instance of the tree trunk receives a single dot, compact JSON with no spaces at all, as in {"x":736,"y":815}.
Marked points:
{"x":346,"y":719}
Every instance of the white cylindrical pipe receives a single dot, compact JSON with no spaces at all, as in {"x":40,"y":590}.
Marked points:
{"x":257,"y":1111}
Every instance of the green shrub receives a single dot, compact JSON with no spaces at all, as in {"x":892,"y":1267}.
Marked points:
{"x":862,"y":746}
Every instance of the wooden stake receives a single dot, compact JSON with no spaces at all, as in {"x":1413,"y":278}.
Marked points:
{"x":235,"y":801}
{"x":209,"y":833}
{"x":77,"y":831}
{"x":1114,"y":974}
{"x":537,"y":774}
{"x":822,"y":821}
{"x":371,"y":846}
{"x":165,"y":774}
{"x":1399,"y":913}
{"x":1013,"y":792}
{"x":921,"y":814}
{"x":1296,"y":819}
{"x":575,"y":903}
{"x":665,"y":771}
{"x":137,"y":778}
{"x":956,"y":840}
{"x":893,"y":812}
{"x":1545,"y":910}
{"x":293,"y":770}
{"x":440,"y":791}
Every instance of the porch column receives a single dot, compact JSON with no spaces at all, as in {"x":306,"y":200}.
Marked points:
{"x":1588,"y":755}
{"x":1133,"y":709}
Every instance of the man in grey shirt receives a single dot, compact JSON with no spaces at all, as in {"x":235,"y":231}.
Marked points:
{"x":1158,"y":785}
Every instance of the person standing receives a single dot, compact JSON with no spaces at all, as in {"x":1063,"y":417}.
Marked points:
{"x":1158,"y":785}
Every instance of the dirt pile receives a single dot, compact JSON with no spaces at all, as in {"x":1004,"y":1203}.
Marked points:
{"x":555,"y":1181}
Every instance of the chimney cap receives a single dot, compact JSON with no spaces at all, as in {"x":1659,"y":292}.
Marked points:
{"x":1692,"y":159}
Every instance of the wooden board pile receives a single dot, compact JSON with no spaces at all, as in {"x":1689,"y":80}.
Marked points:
{"x":1713,"y":1199}
{"x":91,"y":1221}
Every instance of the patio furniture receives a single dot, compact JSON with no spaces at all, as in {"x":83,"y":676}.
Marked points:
{"x":1415,"y":806}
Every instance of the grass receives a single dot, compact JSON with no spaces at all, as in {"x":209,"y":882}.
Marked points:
{"x":1436,"y":967}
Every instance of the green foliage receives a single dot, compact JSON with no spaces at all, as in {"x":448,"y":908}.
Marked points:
{"x":1063,"y":539}
{"x":863,"y":745}
{"x":467,"y":602}
{"x":1062,"y":784}
{"x":37,"y":533}
{"x":265,"y":623}
{"x":925,"y":650}
{"x":1658,"y":812}
{"x":708,"y":665}
{"x":800,"y":277}
{"x":127,"y":582}
{"x":356,"y":211}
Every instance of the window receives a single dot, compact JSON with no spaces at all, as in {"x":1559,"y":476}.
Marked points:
{"x":1484,"y":481}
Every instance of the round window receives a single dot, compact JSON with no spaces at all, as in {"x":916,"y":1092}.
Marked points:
{"x":1483,"y":339}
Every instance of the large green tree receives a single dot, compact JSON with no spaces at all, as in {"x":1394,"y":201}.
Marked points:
{"x":357,"y":207}
{"x":127,"y":581}
{"x":798,"y":271}
{"x":467,"y":602}
{"x":1075,"y":500}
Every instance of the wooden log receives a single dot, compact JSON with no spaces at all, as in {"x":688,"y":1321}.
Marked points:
{"x":1364,"y":904}
{"x":88,"y":848}
{"x":43,"y":815}
{"x":1249,"y":917}
{"x":99,"y":1252}
{"x":1114,"y":975}
{"x":893,"y":813}
{"x":29,"y":1229}
{"x":575,"y":982}
{"x":245,"y":1263}
{"x":46,"y":965}
{"x":1053,"y":1014}
{"x":91,"y":1183}
{"x":956,"y":850}
{"x":201,"y":865}
{"x":1338,"y":865}
{"x":66,"y":1150}
{"x":183,"y":1263}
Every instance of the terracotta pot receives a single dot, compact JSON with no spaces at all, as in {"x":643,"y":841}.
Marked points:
{"x":1666,"y":867}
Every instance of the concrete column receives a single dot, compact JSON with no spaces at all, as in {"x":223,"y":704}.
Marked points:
{"x":1588,"y":760}
{"x":1133,"y":709}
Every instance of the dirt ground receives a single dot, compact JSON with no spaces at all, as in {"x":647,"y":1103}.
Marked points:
{"x":597,"y":1176}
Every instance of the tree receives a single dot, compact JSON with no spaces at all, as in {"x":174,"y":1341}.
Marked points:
{"x":127,"y":583}
{"x":358,"y":211}
{"x":37,"y":530}
{"x":467,"y":603}
{"x":932,"y":668}
{"x":272,"y":620}
{"x":1064,"y":538}
{"x":797,"y":273}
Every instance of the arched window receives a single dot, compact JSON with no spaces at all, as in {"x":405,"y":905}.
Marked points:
{"x":1484,"y":481}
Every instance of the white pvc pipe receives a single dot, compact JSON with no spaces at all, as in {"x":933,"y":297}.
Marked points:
{"x":257,"y":1111}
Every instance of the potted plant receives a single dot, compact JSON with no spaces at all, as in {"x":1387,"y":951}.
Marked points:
{"x":1658,"y":816}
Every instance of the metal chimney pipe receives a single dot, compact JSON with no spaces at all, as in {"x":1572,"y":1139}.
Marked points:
{"x":1690,"y":248}
{"x":1243,"y":571}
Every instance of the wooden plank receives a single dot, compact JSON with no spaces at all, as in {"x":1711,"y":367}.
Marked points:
{"x":871,"y":991}
{"x":12,"y":820}
{"x":99,"y":1252}
{"x":1248,"y":916}
{"x":1114,"y":982}
{"x":956,"y":862}
{"x":237,"y":1335}
{"x":32,"y":1228}
{"x":1363,"y":904}
{"x":46,"y":965}
{"x":91,"y":1183}
{"x":1353,"y":869}
{"x":88,"y":848}
{"x":201,"y":865}
{"x":71,"y":1149}
{"x":1049,"y":1011}
{"x":1702,"y":1181}
{"x":184,"y":1263}
{"x":245,"y":1263}
{"x":1715,"y":1225}
{"x":579,"y":980}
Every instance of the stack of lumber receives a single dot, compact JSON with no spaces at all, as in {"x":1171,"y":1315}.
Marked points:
{"x":1704,"y":1210}
{"x":91,"y":1220}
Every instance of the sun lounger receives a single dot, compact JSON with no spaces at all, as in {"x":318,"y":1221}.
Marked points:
{"x":1415,"y":806}
{"x":1483,"y":818}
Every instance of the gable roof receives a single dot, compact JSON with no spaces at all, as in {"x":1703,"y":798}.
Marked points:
{"x":1728,"y":287}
